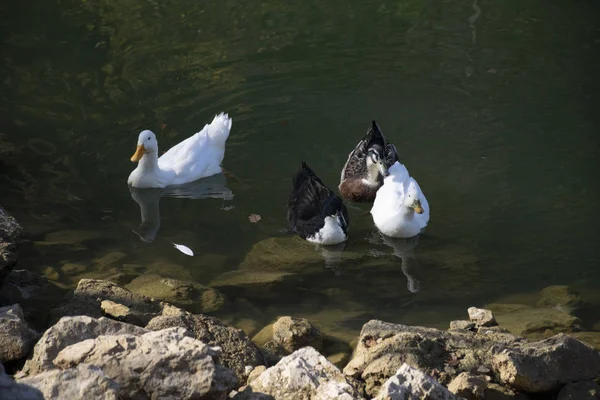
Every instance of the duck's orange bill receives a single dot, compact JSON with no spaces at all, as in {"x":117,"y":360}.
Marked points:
{"x":419,"y":210}
{"x":139,"y":152}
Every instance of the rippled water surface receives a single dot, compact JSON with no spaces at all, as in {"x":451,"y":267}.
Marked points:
{"x":493,"y":107}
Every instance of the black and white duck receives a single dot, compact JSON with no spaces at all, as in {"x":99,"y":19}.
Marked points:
{"x":315,"y":212}
{"x":366,"y":166}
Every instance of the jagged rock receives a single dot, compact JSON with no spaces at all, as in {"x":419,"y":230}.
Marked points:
{"x":255,"y":373}
{"x":195,"y":297}
{"x":534,"y":323}
{"x":9,"y":389}
{"x":591,"y":338}
{"x":303,"y":375}
{"x":383,"y":348}
{"x":238,"y":351}
{"x":468,"y":386}
{"x":560,"y":297}
{"x":411,"y":384}
{"x":87,"y":298}
{"x":71,"y":330}
{"x":16,"y":339}
{"x":161,"y":364}
{"x":481,"y":317}
{"x":10,"y":238}
{"x":547,"y":364}
{"x":585,"y":390}
{"x":115,"y":310}
{"x":461,"y":325}
{"x":294,"y":333}
{"x":84,"y":382}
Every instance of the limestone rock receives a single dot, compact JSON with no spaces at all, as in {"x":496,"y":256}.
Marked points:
{"x":461,"y":325}
{"x":411,"y":384}
{"x":166,"y":364}
{"x":9,"y":389}
{"x":115,"y":310}
{"x":10,"y":238}
{"x":255,"y":373}
{"x":584,"y":390}
{"x":547,"y":364}
{"x":303,"y":375}
{"x":383,"y":348}
{"x":468,"y":386}
{"x":195,"y":297}
{"x":560,"y":297}
{"x":86,"y":299}
{"x":71,"y":330}
{"x":294,"y":333}
{"x":16,"y":339}
{"x":481,"y":317}
{"x":533,"y":322}
{"x":238,"y":351}
{"x":85,"y":382}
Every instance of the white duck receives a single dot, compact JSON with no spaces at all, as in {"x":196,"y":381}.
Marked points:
{"x":196,"y":157}
{"x":400,"y":208}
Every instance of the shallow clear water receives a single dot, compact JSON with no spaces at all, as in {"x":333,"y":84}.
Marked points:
{"x":493,"y":107}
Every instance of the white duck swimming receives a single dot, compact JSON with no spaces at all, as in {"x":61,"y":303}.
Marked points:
{"x":400,"y":208}
{"x":196,"y":157}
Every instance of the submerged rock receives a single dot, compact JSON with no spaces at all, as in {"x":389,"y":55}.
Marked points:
{"x":85,"y":382}
{"x":294,"y":333}
{"x":534,"y":323}
{"x":193,"y":296}
{"x":560,"y":297}
{"x":10,"y":238}
{"x":68,"y":331}
{"x":162,"y":364}
{"x":547,"y":364}
{"x":16,"y":339}
{"x":411,"y":384}
{"x":238,"y":351}
{"x":303,"y":375}
{"x":9,"y":389}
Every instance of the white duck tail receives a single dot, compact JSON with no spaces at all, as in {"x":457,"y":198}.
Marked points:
{"x":219,"y":129}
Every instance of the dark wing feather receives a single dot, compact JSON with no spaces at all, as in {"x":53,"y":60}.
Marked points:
{"x":310,"y":201}
{"x":391,"y":155}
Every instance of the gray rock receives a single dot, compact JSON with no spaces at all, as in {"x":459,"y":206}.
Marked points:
{"x":383,"y":348}
{"x":303,"y":375}
{"x":470,"y":387}
{"x":193,"y":296}
{"x":547,"y":364}
{"x":84,"y":382}
{"x":411,"y":384}
{"x":560,"y":297}
{"x":461,"y":325}
{"x":9,"y":389}
{"x":166,"y":364}
{"x":87,"y":298}
{"x":238,"y":351}
{"x":585,"y":390}
{"x":481,"y":317}
{"x":591,"y":338}
{"x":16,"y":339}
{"x":10,"y":238}
{"x":68,"y":331}
{"x":294,"y":333}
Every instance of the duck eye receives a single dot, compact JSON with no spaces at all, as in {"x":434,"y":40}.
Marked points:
{"x":148,"y":138}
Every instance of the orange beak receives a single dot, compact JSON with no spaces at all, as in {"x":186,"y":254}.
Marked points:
{"x":418,"y":208}
{"x":139,"y":152}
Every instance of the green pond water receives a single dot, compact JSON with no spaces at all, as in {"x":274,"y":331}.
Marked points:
{"x":493,"y":106}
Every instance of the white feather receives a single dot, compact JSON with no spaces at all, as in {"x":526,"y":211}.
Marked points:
{"x":184,"y":249}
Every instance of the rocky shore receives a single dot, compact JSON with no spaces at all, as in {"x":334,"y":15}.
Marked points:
{"x":106,"y":340}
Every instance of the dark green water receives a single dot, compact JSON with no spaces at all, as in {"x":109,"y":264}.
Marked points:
{"x":492,"y":105}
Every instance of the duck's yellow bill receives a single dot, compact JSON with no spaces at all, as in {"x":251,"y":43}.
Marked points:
{"x":139,"y":152}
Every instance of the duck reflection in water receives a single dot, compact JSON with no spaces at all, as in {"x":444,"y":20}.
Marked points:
{"x":404,"y":250}
{"x":332,"y":255}
{"x":213,"y":187}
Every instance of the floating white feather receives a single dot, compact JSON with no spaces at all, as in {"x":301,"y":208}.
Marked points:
{"x":184,"y":249}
